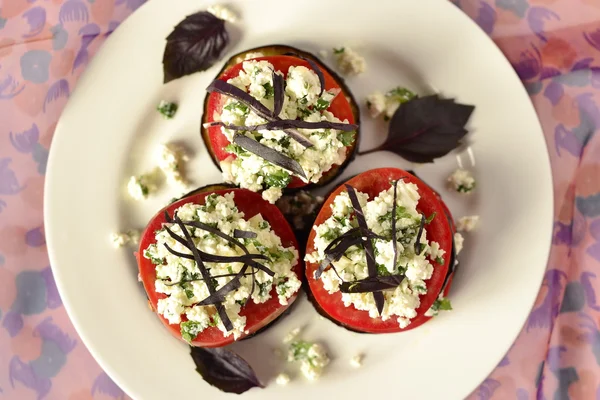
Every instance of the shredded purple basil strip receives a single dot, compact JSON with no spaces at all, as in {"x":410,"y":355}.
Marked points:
{"x":372,"y":284}
{"x":419,"y":234}
{"x":205,"y":274}
{"x":215,"y":258}
{"x":395,"y":258}
{"x":269,"y":154}
{"x":287,"y":124}
{"x":200,"y":279}
{"x":279,"y":95}
{"x":368,"y":245}
{"x":336,"y":253}
{"x":220,"y":294}
{"x":241,"y":234}
{"x":228,"y":89}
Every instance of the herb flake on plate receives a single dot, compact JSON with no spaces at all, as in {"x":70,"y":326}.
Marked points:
{"x":224,"y":369}
{"x":426,"y":128}
{"x":194,"y":45}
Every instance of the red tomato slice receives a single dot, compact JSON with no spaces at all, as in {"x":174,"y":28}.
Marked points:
{"x":257,"y":315}
{"x":439,"y":230}
{"x":340,"y":107}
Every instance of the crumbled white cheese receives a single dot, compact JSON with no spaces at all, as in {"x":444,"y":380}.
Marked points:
{"x":467,"y":223}
{"x":387,"y":104}
{"x":282,"y":379}
{"x":302,"y":100}
{"x":376,"y":103}
{"x":312,"y":357}
{"x":219,"y":211}
{"x":139,"y":187}
{"x":170,"y":161}
{"x":462,"y":181}
{"x":458,"y":242}
{"x":222,"y":12}
{"x":292,"y":335}
{"x":349,"y":61}
{"x":119,"y":239}
{"x":356,"y":361}
{"x":402,"y":302}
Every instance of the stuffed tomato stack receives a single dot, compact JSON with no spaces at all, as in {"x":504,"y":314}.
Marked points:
{"x":219,"y":265}
{"x":380,"y":252}
{"x":279,"y":121}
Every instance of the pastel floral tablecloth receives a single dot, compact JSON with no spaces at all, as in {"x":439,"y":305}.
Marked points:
{"x":554,"y":45}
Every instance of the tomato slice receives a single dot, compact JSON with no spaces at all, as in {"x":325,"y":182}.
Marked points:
{"x":257,"y":316}
{"x":373,"y":182}
{"x":340,"y":107}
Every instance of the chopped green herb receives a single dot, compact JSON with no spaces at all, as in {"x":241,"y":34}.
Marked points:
{"x":347,"y":138}
{"x":167,"y":109}
{"x":430,"y":218}
{"x":401,"y":95}
{"x":264,"y":288}
{"x":263,"y":224}
{"x":465,"y":188}
{"x":442,"y":304}
{"x":338,"y":51}
{"x":237,"y":106}
{"x":154,"y":260}
{"x":269,"y":90}
{"x":278,"y":179}
{"x":214,"y":320}
{"x":189,"y":294}
{"x":190,"y":330}
{"x":303,"y":100}
{"x":439,"y":260}
{"x":382,"y":270}
{"x":420,"y":289}
{"x":299,"y":350}
{"x":321,"y":105}
{"x":235,"y":149}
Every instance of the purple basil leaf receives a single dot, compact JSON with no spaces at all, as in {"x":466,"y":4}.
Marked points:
{"x":426,"y":128}
{"x":418,"y":245}
{"x":367,"y":243}
{"x":279,"y":95}
{"x":269,"y":154}
{"x":240,"y":234}
{"x":372,"y":284}
{"x":195,"y":44}
{"x":230,"y":90}
{"x":287,"y":124}
{"x":224,"y":369}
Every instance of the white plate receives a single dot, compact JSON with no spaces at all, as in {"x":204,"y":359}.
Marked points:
{"x":110,"y":129}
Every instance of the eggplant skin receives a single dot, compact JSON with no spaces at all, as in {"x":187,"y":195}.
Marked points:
{"x":213,"y":187}
{"x":276,"y":50}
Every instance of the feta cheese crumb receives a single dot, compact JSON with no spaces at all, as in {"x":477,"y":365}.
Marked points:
{"x":139,"y":187}
{"x":458,"y":242}
{"x":170,"y":160}
{"x":356,"y":361}
{"x":291,"y":335}
{"x":167,"y":109}
{"x":462,"y":181}
{"x":222,"y":12}
{"x":282,"y":379}
{"x":387,"y":104}
{"x":272,"y":194}
{"x":376,"y":104}
{"x":468,"y":223}
{"x":349,"y":61}
{"x":312,"y":356}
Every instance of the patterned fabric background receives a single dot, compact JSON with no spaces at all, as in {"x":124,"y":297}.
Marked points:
{"x":554,"y":45}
